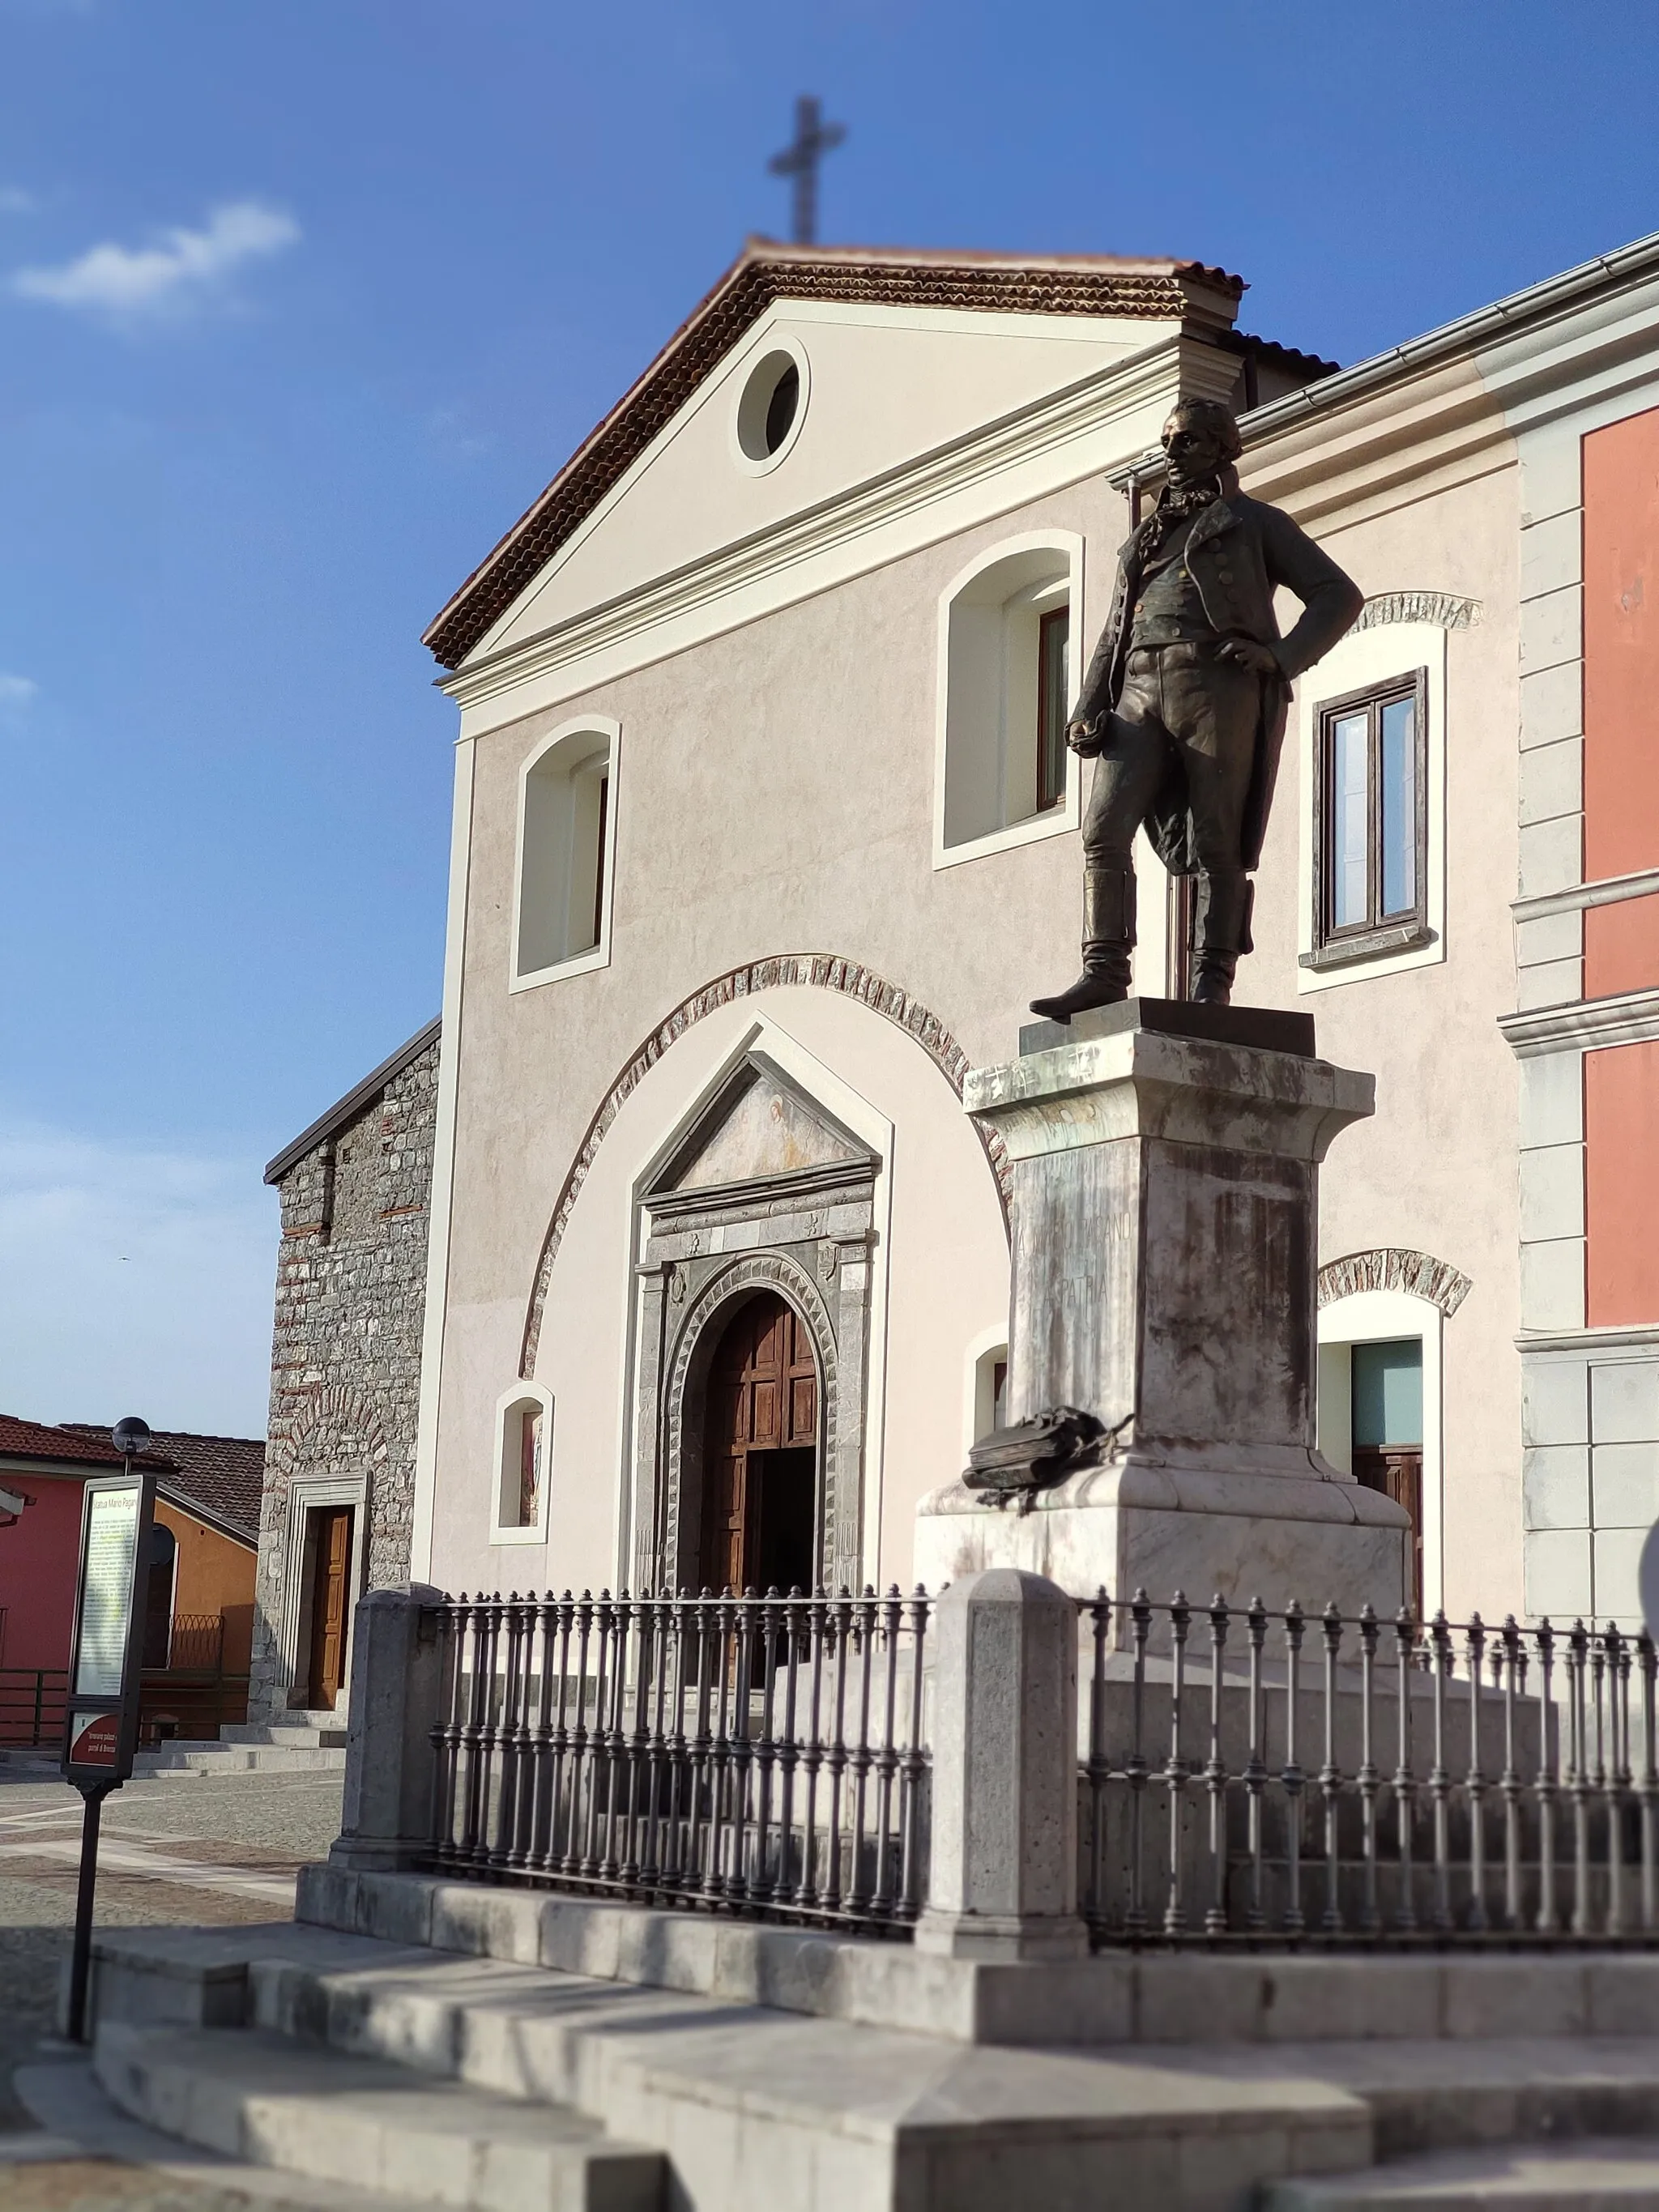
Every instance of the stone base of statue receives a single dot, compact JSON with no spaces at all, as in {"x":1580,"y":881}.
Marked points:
{"x":1162,"y":1362}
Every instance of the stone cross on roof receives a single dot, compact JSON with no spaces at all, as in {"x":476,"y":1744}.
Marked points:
{"x":814,"y":139}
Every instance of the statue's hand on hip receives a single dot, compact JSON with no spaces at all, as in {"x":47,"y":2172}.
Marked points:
{"x":1260,"y":660}
{"x":1086,"y":739}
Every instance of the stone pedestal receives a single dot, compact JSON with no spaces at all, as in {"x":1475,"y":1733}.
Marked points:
{"x":1165,"y":1162}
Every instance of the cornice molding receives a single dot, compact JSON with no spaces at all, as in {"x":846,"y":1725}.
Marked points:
{"x":1610,"y":892}
{"x":1582,"y":1340}
{"x":1060,"y":428}
{"x":1582,"y":1024}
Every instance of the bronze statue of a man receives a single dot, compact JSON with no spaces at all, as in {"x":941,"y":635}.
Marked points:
{"x":1185,"y":701}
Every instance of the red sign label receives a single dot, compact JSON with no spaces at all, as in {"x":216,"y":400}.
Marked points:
{"x":95,"y":1744}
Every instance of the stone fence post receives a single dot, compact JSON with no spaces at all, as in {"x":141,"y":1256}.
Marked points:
{"x":1002,"y":1883}
{"x":396,"y":1684}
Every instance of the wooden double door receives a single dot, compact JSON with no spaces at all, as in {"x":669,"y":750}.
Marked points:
{"x":761,"y":1453}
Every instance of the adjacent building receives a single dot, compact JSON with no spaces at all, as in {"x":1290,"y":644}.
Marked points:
{"x":763,"y":832}
{"x":335,"y":1517}
{"x":198,"y":1580}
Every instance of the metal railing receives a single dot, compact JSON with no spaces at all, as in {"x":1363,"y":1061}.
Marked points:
{"x":32,"y":1706}
{"x":185,"y":1694}
{"x":762,"y":1755}
{"x":1286,"y":1776}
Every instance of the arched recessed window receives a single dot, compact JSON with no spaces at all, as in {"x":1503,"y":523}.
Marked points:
{"x":1008,"y":674}
{"x":524,"y":1420}
{"x":567,"y":844}
{"x":158,"y":1594}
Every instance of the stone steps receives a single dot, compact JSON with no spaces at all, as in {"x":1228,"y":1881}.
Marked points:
{"x":260,"y":2097}
{"x":757,"y":2111}
{"x":1185,"y":1996}
{"x":301,"y":1731}
{"x":1598,"y":2176}
{"x":754,"y":2107}
{"x":214,"y":1758}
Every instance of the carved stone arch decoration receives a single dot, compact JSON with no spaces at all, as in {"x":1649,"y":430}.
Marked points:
{"x":814,"y":971}
{"x":1442,"y":609}
{"x":669,"y":1527}
{"x":1392,"y":1268}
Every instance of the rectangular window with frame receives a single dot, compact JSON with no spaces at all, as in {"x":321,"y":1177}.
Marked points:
{"x":1053,"y":642}
{"x":1370,"y":821}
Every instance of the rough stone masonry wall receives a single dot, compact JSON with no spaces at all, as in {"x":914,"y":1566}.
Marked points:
{"x":345,"y":1374}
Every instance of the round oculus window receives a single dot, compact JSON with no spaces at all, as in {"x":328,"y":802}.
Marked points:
{"x":770,"y":410}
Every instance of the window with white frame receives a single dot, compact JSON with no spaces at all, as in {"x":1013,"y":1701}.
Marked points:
{"x":567,"y":845}
{"x":1370,"y":818}
{"x":523,"y":1462}
{"x":1370,"y":737}
{"x":1008,"y":649}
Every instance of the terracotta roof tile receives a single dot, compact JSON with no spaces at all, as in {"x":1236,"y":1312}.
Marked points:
{"x":222,"y":1474}
{"x":1037,"y":284}
{"x":78,"y":1444}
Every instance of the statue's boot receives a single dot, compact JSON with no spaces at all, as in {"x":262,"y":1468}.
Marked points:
{"x":1220,"y":933}
{"x":1109,"y":936}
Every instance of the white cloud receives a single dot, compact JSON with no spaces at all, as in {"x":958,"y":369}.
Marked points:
{"x":16,"y":692}
{"x":133,"y":1279}
{"x":179,"y":266}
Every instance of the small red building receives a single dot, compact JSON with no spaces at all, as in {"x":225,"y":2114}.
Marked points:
{"x":199,"y":1591}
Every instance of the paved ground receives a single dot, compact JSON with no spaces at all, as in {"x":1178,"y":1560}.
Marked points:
{"x":189,"y":1852}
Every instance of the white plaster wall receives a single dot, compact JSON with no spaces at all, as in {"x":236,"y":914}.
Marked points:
{"x":943,"y":1260}
{"x":776,"y":796}
{"x":1437,"y":1169}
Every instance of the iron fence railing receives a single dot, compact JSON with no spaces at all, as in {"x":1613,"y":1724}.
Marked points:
{"x":1285,"y":1777}
{"x":32,"y":1706}
{"x":764,"y":1755}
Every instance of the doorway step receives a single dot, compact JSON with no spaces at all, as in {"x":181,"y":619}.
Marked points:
{"x":742,"y":2105}
{"x":306,"y":1742}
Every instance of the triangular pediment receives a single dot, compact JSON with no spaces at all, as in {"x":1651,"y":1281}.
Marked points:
{"x":759,"y":1127}
{"x":905,"y":353}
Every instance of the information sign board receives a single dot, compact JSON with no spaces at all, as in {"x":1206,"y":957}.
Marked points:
{"x":108,"y":1650}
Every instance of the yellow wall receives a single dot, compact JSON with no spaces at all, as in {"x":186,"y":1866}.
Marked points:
{"x":215,"y":1574}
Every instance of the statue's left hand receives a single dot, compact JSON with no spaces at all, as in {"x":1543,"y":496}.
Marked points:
{"x":1260,"y":660}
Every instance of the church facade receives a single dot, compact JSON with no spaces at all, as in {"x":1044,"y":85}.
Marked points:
{"x":765,"y":831}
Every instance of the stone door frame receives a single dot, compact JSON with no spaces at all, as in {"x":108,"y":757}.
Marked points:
{"x":306,"y":1492}
{"x":807,"y":1235}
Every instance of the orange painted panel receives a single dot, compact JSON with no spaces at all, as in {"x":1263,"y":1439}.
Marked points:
{"x":1621,"y":1187}
{"x":1621,"y":646}
{"x":1621,"y":947}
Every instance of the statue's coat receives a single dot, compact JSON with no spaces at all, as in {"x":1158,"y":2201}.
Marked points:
{"x":1238,"y":551}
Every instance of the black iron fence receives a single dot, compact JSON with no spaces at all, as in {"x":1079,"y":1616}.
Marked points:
{"x":764,"y":1755}
{"x":1287,"y":1777}
{"x":32,"y":1706}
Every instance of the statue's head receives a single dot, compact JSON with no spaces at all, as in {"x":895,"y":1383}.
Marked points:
{"x":1199,"y":439}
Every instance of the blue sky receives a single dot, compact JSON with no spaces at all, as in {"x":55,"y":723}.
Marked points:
{"x":300,"y":306}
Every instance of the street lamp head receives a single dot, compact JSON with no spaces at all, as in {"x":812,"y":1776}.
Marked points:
{"x":130,"y":1437}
